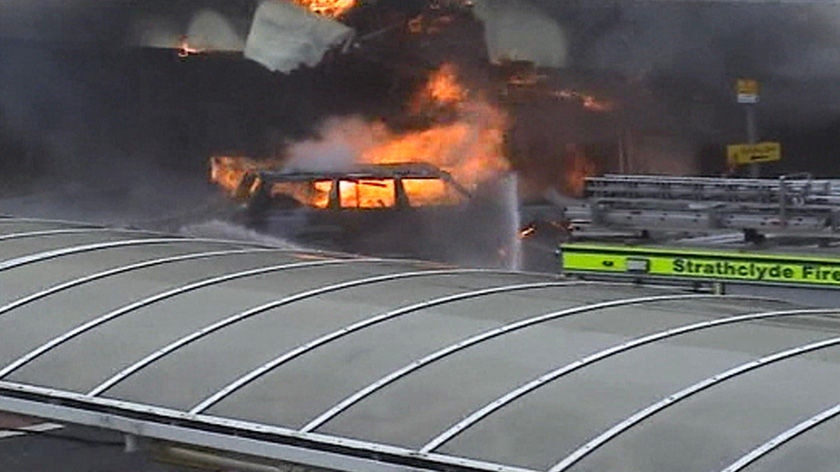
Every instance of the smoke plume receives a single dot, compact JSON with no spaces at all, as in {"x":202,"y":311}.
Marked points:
{"x":339,"y":145}
{"x":518,"y":30}
{"x":790,"y":47}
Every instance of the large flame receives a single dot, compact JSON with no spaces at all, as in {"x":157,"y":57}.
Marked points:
{"x":471,"y":149}
{"x":331,"y":8}
{"x":467,"y":141}
{"x":469,"y":145}
{"x":466,"y":137}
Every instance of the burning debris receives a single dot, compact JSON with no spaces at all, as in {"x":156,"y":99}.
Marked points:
{"x":587,"y":101}
{"x":330,"y":8}
{"x":283,"y":36}
{"x":185,"y":50}
{"x":525,"y":81}
{"x":205,"y":31}
{"x":230,"y":174}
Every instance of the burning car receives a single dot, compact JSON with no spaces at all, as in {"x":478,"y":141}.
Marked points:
{"x":411,"y":209}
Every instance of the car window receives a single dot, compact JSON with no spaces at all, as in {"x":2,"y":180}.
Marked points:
{"x":297,"y":194}
{"x":425,"y":192}
{"x":379,"y":193}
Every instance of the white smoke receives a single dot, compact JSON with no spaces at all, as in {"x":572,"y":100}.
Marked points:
{"x":206,"y":30}
{"x":280,"y":36}
{"x":211,"y":30}
{"x":155,"y":32}
{"x":518,"y":30}
{"x":217,"y":229}
{"x":338,"y":147}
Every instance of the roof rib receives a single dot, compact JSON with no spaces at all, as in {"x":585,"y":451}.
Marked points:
{"x":267,"y":367}
{"x":545,"y":379}
{"x":57,"y":341}
{"x":651,"y":410}
{"x":183,"y":341}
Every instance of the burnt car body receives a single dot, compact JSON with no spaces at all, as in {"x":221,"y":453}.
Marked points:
{"x":407,"y":210}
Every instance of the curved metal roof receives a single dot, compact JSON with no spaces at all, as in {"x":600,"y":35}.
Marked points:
{"x":356,"y":363}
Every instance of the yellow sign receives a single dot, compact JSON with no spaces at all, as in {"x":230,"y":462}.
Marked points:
{"x":743,"y":154}
{"x":747,"y":91}
{"x":700,"y":265}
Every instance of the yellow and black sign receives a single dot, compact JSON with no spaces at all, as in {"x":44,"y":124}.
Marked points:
{"x":743,"y":154}
{"x":747,"y":90}
{"x":700,"y":265}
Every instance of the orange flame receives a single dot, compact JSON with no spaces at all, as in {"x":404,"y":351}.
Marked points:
{"x":469,"y":146}
{"x":229,"y":173}
{"x":443,"y":87}
{"x":430,"y":25}
{"x":315,"y":194}
{"x":577,"y":167}
{"x":330,"y":8}
{"x":185,"y":50}
{"x":442,"y":92}
{"x":470,"y":149}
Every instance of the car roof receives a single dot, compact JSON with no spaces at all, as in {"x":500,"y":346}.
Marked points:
{"x":412,"y":170}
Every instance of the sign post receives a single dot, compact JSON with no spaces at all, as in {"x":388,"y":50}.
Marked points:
{"x":748,"y":95}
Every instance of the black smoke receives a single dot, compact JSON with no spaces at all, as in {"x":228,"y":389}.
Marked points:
{"x":79,"y":100}
{"x":690,"y":53}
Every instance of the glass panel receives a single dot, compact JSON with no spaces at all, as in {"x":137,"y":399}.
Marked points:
{"x":466,"y":383}
{"x":320,"y":197}
{"x":288,"y":195}
{"x":548,"y":424}
{"x":379,"y":193}
{"x":29,"y":326}
{"x":814,"y":451}
{"x":209,"y":364}
{"x":122,"y":341}
{"x":33,"y":245}
{"x":425,"y":192}
{"x":729,"y":419}
{"x":318,"y":380}
{"x":14,"y":226}
{"x":27,"y":279}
